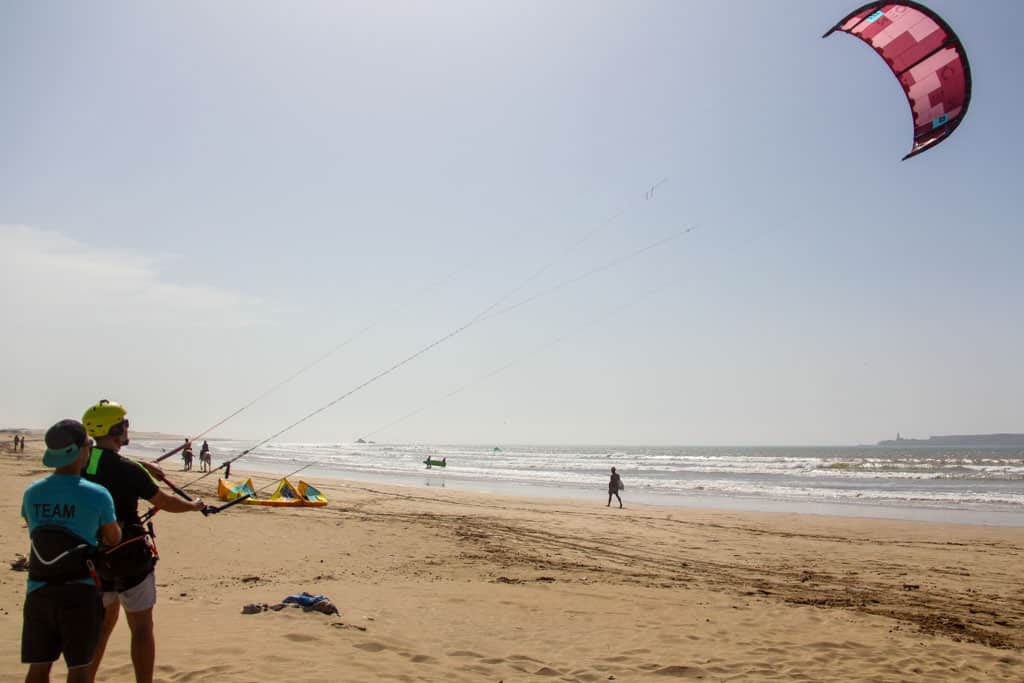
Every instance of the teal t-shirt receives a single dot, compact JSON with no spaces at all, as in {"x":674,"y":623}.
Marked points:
{"x":69,"y":501}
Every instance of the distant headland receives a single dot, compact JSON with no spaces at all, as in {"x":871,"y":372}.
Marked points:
{"x":959,"y":440}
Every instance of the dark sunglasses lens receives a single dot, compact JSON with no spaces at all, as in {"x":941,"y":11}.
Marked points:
{"x":125,"y":423}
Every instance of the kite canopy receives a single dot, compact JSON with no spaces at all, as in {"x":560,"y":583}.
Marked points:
{"x":286,"y":495}
{"x":228,"y":491}
{"x":927,"y":58}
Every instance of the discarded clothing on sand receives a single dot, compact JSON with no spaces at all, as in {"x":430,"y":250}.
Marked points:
{"x":304,"y":599}
{"x":310,"y":602}
{"x":307,"y":601}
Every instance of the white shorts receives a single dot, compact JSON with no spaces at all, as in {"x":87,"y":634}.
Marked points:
{"x":137,"y":598}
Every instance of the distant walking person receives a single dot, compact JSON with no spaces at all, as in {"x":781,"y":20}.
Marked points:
{"x":614,"y":486}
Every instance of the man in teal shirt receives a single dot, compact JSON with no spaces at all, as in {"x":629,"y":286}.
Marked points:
{"x":66,"y":516}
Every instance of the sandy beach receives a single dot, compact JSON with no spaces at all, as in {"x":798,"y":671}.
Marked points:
{"x":436,"y":585}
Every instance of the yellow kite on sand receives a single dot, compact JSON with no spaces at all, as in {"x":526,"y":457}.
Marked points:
{"x":286,"y":495}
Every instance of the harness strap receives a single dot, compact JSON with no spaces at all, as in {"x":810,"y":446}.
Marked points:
{"x":133,"y":539}
{"x":35,"y":551}
{"x":94,"y":461}
{"x":94,"y":575}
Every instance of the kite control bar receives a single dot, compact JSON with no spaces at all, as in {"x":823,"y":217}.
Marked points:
{"x":214,"y":509}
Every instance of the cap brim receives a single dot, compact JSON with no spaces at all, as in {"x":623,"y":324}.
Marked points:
{"x":61,"y":457}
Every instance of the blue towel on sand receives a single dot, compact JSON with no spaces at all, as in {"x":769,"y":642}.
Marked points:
{"x":305,"y":599}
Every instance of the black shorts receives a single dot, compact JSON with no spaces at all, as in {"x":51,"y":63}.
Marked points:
{"x":61,"y":618}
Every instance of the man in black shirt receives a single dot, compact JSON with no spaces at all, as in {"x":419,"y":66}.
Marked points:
{"x":127,"y":569}
{"x":614,"y":486}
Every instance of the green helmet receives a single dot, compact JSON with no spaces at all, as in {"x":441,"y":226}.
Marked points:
{"x":106,"y":417}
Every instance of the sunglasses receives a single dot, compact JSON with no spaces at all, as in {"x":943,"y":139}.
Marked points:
{"x":120,"y":428}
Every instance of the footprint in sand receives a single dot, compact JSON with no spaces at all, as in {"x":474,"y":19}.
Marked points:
{"x":300,"y":637}
{"x":524,"y":658}
{"x":204,"y":674}
{"x":371,"y":646}
{"x":547,"y":671}
{"x":479,"y":669}
{"x":682,"y":672}
{"x":420,"y":659}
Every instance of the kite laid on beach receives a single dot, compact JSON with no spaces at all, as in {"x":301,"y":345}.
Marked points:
{"x":925,"y":55}
{"x":286,"y":495}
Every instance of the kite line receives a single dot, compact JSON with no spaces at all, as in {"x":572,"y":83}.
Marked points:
{"x":485,"y":314}
{"x":482,"y":315}
{"x":532,"y":352}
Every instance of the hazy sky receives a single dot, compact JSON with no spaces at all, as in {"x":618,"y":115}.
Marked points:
{"x":199,"y":199}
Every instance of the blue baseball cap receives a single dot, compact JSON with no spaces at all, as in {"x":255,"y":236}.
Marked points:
{"x":64,"y":441}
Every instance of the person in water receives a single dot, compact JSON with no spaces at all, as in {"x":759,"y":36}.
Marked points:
{"x":66,"y":516}
{"x":614,"y":486}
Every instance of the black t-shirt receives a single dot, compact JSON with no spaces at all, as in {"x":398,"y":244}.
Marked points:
{"x":126,"y":480}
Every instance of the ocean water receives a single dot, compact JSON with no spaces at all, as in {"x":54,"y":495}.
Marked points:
{"x":962,"y":485}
